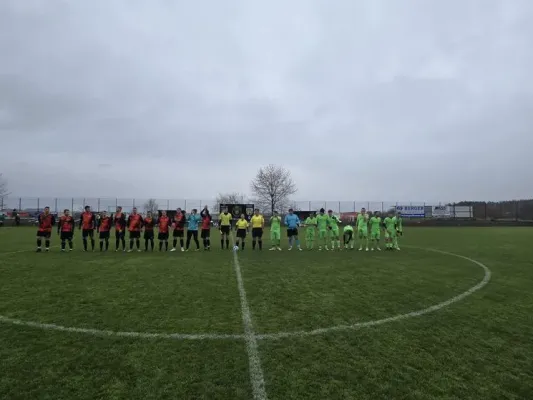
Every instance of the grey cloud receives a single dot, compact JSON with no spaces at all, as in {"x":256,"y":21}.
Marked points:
{"x":428,"y":102}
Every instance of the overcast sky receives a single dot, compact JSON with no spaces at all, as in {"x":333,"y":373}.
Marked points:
{"x":361,"y":100}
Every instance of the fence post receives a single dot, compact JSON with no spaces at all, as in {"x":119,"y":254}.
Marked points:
{"x":133,"y":203}
{"x":516,"y":210}
{"x":309,"y":206}
{"x":98,"y":204}
{"x":55,"y":205}
{"x":185,"y":205}
{"x":20,"y":203}
{"x":168,"y":204}
{"x":83,"y":205}
{"x":38,"y":205}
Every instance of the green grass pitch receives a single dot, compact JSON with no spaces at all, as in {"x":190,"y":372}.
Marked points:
{"x":480,"y":347}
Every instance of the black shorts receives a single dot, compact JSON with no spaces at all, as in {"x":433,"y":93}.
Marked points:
{"x":148,"y":234}
{"x":205,"y":233}
{"x":87,"y":232}
{"x":66,"y":235}
{"x":257,"y":232}
{"x":162,"y":236}
{"x":135,"y":234}
{"x":292,"y":232}
{"x":104,"y":235}
{"x":241,"y":233}
{"x":43,"y":234}
{"x":119,"y":234}
{"x":225,"y":229}
{"x":178,"y":233}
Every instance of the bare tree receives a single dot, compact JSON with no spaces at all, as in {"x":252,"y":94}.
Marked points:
{"x":272,"y":187}
{"x":229,"y":198}
{"x":151,"y":205}
{"x":3,"y":192}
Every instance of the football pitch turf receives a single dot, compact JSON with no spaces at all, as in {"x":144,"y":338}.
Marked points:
{"x":310,"y":325}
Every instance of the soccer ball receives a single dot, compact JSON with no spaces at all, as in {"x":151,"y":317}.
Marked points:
{"x":235,"y":248}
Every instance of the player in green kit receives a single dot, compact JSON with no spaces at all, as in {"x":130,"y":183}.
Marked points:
{"x":362,"y":228}
{"x":375,"y":231}
{"x":399,"y":228}
{"x":322,"y":225}
{"x":390,"y":231}
{"x":275,"y":231}
{"x":333,"y":225}
{"x":310,"y":231}
{"x":348,"y":237}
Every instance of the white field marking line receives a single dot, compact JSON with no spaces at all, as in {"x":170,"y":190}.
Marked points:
{"x":360,"y":325}
{"x":99,"y":332}
{"x":256,"y":371}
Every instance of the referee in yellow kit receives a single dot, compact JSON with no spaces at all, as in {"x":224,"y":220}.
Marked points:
{"x":258,"y":224}
{"x":225,"y":227}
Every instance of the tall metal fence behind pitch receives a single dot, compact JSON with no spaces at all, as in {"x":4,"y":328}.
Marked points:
{"x":506,"y":210}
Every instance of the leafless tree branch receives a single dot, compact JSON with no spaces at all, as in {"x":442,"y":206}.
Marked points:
{"x":272,"y":187}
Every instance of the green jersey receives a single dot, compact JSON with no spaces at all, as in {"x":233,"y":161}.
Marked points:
{"x":333,"y":222}
{"x":310,"y":222}
{"x":322,"y":222}
{"x":362,"y":221}
{"x":275,"y":224}
{"x":390,"y":223}
{"x":348,"y":228}
{"x":375,"y":224}
{"x":399,"y":223}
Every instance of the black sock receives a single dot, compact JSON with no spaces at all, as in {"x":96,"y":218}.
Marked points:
{"x":253,"y":244}
{"x":47,"y":243}
{"x":138,"y":243}
{"x":152,"y":244}
{"x":117,"y":243}
{"x":166,"y":245}
{"x":181,"y":243}
{"x":146,"y":244}
{"x":39,"y":242}
{"x":107,"y":244}
{"x":63,"y":243}
{"x":260,"y":245}
{"x":242,"y":245}
{"x":208,"y":242}
{"x":70,"y":244}
{"x":160,"y":246}
{"x":174,"y":243}
{"x":227,"y":243}
{"x":123,"y":243}
{"x":131,"y":244}
{"x":85,"y":244}
{"x":92,"y":243}
{"x":222,"y":243}
{"x":101,"y":245}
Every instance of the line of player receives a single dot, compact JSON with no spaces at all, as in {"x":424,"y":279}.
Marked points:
{"x":185,"y":229}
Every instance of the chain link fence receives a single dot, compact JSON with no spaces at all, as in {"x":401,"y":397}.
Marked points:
{"x":520,"y":210}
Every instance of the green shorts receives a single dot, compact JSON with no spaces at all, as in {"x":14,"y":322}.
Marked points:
{"x":322,"y":234}
{"x":335,"y":232}
{"x":362,"y":232}
{"x":275,"y":235}
{"x":390,"y":234}
{"x":375,"y":235}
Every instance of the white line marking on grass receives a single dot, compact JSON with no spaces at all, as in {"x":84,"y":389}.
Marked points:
{"x":139,"y":335}
{"x":360,"y":325}
{"x":256,"y":371}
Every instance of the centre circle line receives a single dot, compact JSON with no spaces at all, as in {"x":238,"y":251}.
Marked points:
{"x":265,"y":336}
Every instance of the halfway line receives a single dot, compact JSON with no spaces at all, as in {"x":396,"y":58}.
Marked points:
{"x":254,"y":361}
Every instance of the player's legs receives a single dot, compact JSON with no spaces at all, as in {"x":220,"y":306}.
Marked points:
{"x":254,"y":238}
{"x":195,"y":238}
{"x":84,"y":238}
{"x":91,"y":237}
{"x":334,"y":235}
{"x":260,"y":238}
{"x":188,"y":242}
{"x":63,"y":238}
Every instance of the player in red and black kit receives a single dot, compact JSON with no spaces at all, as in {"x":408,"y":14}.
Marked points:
{"x":104,"y":227}
{"x":65,"y":228}
{"x":149,"y":224}
{"x":164,"y":226}
{"x":119,"y":221}
{"x":46,"y":222}
{"x":206,"y":228}
{"x":135,"y":224}
{"x":87,"y":226}
{"x":179,"y":228}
